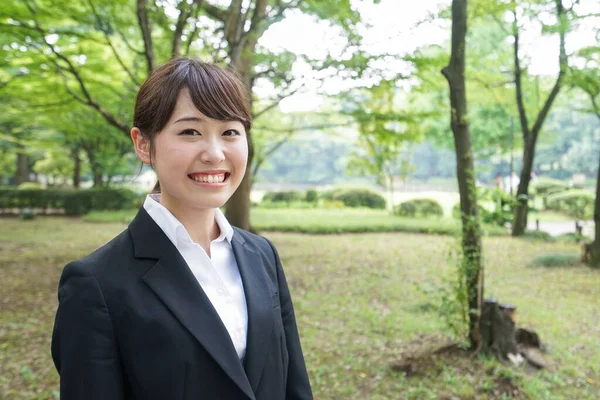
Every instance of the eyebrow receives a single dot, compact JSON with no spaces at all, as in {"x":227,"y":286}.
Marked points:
{"x":184,"y":119}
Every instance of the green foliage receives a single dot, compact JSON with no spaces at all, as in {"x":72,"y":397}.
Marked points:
{"x":499,"y":215}
{"x":27,"y":214}
{"x":546,"y":186}
{"x":356,"y":197}
{"x":384,"y":131}
{"x":311,"y":196}
{"x":29,"y":186}
{"x":73,"y":202}
{"x":419,"y":208}
{"x":577,"y":203}
{"x":556,"y":260}
{"x":284,"y":196}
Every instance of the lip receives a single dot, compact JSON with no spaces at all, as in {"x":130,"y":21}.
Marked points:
{"x":210,"y":172}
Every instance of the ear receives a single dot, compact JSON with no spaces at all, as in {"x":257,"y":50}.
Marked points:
{"x":141,"y":144}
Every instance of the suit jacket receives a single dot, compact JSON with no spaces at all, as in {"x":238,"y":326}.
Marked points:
{"x":133,"y":323}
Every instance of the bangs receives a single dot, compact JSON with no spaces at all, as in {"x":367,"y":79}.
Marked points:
{"x":218,"y":94}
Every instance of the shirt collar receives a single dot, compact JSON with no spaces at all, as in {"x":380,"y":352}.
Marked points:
{"x":174,"y":229}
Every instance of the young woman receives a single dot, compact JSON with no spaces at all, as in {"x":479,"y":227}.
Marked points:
{"x":181,"y":305}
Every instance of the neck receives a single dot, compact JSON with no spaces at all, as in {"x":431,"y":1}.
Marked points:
{"x":200,"y":223}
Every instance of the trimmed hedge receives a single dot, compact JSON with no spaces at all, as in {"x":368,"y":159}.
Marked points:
{"x":419,"y":208}
{"x":356,"y":197}
{"x":577,"y":203}
{"x":72,"y":201}
{"x":546,"y":186}
{"x":289,"y":196}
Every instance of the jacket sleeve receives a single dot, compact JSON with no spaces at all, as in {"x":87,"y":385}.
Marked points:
{"x":84,"y":349}
{"x":298,"y":385}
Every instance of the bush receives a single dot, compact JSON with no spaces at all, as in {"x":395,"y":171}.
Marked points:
{"x":503,"y":207}
{"x":356,"y":197}
{"x":544,"y":187}
{"x":284,"y":196}
{"x":577,"y":203}
{"x":311,"y":196}
{"x":281,"y":204}
{"x":419,"y":208}
{"x":556,"y":260}
{"x":71,"y":201}
{"x":29,"y":185}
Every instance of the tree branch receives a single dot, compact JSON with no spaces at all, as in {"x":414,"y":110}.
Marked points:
{"x":214,"y":12}
{"x":146,"y":29}
{"x":260,"y":160}
{"x":276,"y":103}
{"x":194,"y":32}
{"x":307,"y":127}
{"x":126,"y":41}
{"x":518,"y":81}
{"x":184,"y":14}
{"x":102,"y":26}
{"x":563,"y":65}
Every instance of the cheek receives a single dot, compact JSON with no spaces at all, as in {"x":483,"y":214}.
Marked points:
{"x":172,"y":155}
{"x":240,"y":154}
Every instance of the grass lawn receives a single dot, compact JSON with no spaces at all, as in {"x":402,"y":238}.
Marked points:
{"x":358,"y":307}
{"x":324,"y":221}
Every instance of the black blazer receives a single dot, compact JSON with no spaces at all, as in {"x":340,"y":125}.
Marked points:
{"x":133,"y":323}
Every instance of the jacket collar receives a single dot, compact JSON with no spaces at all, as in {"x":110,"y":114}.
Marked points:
{"x":173,"y":282}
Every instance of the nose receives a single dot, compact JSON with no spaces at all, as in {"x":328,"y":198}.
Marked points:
{"x":212,"y":152}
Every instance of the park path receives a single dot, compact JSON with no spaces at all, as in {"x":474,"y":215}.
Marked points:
{"x":556,"y":228}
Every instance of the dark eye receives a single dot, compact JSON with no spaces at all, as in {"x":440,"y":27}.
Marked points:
{"x":231,"y":132}
{"x":189,"y":132}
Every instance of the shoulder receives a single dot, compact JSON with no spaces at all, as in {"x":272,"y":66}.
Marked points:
{"x":102,"y":261}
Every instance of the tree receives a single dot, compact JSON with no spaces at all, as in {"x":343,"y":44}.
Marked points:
{"x":101,"y":50}
{"x":588,"y":80}
{"x":530,"y":133}
{"x":471,"y":233}
{"x":384,"y":133}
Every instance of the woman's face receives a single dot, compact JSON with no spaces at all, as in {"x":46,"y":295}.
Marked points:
{"x":199,"y":161}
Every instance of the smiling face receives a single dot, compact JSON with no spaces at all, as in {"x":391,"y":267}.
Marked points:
{"x":199,"y":161}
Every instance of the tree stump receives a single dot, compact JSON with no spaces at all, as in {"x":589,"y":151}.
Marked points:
{"x":498,"y":330}
{"x":500,"y":337}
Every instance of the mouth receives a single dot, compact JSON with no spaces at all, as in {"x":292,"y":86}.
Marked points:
{"x":210,"y":178}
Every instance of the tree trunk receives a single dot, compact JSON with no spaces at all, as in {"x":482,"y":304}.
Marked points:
{"x":530,"y":136}
{"x":76,"y":168}
{"x":98,"y":179}
{"x":242,"y":52}
{"x":22,"y":173}
{"x":96,"y":170}
{"x":594,"y":256}
{"x":471,"y":241}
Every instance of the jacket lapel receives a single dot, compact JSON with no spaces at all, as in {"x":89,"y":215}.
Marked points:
{"x":173,"y":282}
{"x":260,"y":307}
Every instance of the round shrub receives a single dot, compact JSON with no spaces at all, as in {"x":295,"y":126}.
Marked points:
{"x":356,"y":197}
{"x":544,"y":187}
{"x":284,"y":196}
{"x":419,"y":208}
{"x":577,"y":203}
{"x":312,"y":196}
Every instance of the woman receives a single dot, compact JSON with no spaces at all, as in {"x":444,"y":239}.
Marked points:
{"x":181,"y":305}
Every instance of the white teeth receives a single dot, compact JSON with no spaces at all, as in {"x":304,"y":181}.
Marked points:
{"x":209,"y":178}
